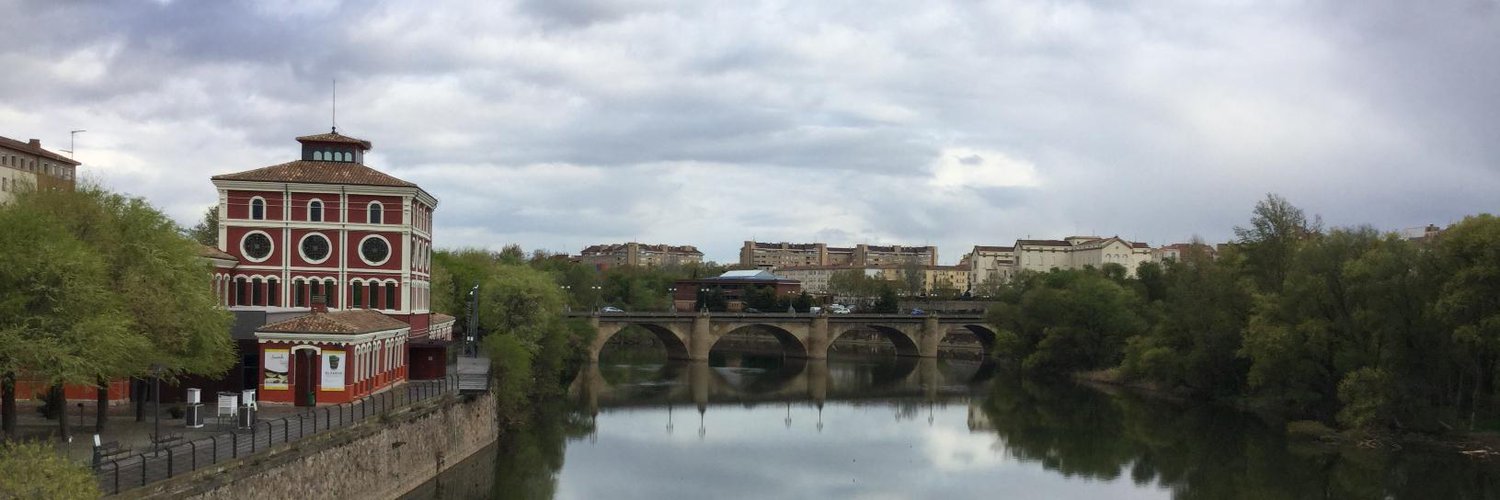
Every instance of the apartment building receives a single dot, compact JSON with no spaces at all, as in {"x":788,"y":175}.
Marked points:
{"x":25,"y":165}
{"x":763,"y":255}
{"x":639,"y":254}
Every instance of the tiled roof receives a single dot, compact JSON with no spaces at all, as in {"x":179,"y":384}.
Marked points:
{"x":1138,"y":244}
{"x":351,"y":322}
{"x":438,"y":319}
{"x":209,"y":252}
{"x":983,"y":248}
{"x":27,"y":147}
{"x":318,"y":172}
{"x":334,"y":137}
{"x":1046,"y":243}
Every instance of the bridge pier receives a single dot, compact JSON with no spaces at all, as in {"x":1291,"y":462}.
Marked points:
{"x":929,"y":337}
{"x":817,"y":338}
{"x":701,"y":339}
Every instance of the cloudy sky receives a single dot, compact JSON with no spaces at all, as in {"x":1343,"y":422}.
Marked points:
{"x":559,"y":123}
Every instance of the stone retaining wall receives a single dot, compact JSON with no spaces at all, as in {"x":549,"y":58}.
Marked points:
{"x":382,"y":458}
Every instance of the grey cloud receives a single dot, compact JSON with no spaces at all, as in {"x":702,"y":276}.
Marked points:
{"x":1157,"y":122}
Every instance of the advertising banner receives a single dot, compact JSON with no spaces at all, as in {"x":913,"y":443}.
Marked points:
{"x":333,"y":370}
{"x":277,"y":374}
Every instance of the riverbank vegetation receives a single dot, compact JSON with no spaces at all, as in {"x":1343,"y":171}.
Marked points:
{"x":534,"y":350}
{"x":1347,"y":326}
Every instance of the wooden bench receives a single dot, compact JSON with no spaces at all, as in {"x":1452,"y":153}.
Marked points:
{"x":112,"y":449}
{"x":167,"y":440}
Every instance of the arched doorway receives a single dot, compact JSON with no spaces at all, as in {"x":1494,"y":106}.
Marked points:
{"x":305,"y":376}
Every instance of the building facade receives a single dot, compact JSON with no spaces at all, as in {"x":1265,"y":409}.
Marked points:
{"x":761,"y":255}
{"x":603,"y":257}
{"x":26,"y":165}
{"x":990,"y":264}
{"x":327,"y":231}
{"x":731,"y":286}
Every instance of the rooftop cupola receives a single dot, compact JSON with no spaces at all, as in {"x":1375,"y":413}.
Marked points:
{"x":333,"y":147}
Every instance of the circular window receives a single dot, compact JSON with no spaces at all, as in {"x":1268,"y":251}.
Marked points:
{"x":315,"y":248}
{"x":374,"y":250}
{"x":256,"y":246}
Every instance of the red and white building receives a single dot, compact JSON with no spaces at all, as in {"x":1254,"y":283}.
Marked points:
{"x":357,"y":240}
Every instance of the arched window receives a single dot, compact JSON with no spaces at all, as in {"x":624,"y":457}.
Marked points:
{"x":317,"y":156}
{"x":241,"y":295}
{"x":257,"y":208}
{"x":330,"y":289}
{"x":315,"y":211}
{"x":299,"y":296}
{"x":255,"y":292}
{"x":356,"y":294}
{"x":348,"y":156}
{"x":375,"y":211}
{"x":273,"y":292}
{"x":390,"y":295}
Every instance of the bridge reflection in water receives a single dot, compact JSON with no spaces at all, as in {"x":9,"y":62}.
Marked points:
{"x":746,"y":380}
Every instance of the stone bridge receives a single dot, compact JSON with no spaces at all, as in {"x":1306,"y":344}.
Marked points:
{"x":690,"y":336}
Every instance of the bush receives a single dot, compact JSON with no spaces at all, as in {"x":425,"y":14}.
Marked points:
{"x":35,"y":470}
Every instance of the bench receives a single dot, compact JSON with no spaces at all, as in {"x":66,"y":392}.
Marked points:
{"x":167,"y":439}
{"x":112,"y":449}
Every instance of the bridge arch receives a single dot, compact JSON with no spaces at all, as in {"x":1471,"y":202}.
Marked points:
{"x":982,"y":332}
{"x":674,"y":341}
{"x":904,"y":343}
{"x":792,"y":345}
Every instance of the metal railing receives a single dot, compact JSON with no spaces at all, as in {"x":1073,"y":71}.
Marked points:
{"x":123,"y":473}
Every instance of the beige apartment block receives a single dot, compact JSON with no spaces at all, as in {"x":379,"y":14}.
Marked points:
{"x":764,"y":255}
{"x":25,"y":165}
{"x":639,"y":255}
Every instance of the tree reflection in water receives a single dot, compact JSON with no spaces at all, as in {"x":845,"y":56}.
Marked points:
{"x":1207,"y":452}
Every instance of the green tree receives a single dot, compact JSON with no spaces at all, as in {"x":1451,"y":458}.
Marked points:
{"x":1271,"y":240}
{"x":207,"y":229}
{"x":1468,"y":300}
{"x":60,"y":322}
{"x":1068,"y":321}
{"x":1203,"y":311}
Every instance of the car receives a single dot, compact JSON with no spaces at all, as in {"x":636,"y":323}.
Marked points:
{"x":611,"y":309}
{"x":838,"y":309}
{"x":917,"y":312}
{"x":814,"y":310}
{"x":751,"y":310}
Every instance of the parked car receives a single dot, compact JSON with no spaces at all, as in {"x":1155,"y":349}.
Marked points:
{"x":917,"y":312}
{"x":838,"y":309}
{"x":814,"y":310}
{"x":751,"y":310}
{"x":611,"y":309}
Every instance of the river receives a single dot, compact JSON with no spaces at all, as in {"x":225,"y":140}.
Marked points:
{"x":745,"y":426}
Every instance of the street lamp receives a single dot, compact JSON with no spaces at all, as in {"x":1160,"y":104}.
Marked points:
{"x":473,"y":320}
{"x":672,"y":298}
{"x":597,"y":293}
{"x":156,"y":405}
{"x":567,"y":298}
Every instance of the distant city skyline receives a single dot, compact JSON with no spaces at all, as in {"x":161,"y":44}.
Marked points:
{"x":560,"y":124}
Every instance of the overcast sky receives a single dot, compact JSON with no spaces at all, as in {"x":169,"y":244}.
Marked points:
{"x":560,"y":123}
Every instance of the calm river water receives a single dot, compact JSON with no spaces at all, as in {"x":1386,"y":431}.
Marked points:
{"x":755,"y":427}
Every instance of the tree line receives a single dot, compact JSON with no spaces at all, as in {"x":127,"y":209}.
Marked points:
{"x":1344,"y":325}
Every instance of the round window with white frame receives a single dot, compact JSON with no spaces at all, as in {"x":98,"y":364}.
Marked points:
{"x":374,"y":250}
{"x":256,"y":246}
{"x":315,"y":248}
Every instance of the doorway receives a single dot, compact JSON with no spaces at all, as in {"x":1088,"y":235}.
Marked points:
{"x":304,"y":377}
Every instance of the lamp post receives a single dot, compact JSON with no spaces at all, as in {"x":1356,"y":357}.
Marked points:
{"x":473,"y":325}
{"x":156,"y":406}
{"x":672,"y":299}
{"x":598,"y":293}
{"x":567,"y":298}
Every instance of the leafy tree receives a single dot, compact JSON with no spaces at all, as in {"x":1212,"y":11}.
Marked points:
{"x":1203,"y":311}
{"x":155,"y":277}
{"x":1271,"y":241}
{"x":207,"y":229}
{"x":1070,"y":320}
{"x":913,"y":276}
{"x":1468,"y":300}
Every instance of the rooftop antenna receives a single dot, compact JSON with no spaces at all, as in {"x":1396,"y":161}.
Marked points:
{"x":72,"y":136}
{"x":335,"y":105}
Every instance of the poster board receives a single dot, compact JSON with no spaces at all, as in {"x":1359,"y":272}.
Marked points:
{"x":334,"y":364}
{"x":276,"y":368}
